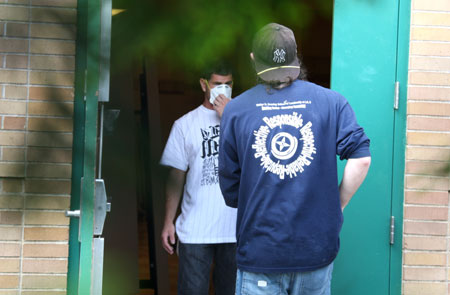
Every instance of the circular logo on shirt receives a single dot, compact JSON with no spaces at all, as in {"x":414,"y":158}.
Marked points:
{"x":291,"y":145}
{"x":284,"y":146}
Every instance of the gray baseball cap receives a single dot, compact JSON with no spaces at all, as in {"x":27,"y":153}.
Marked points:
{"x":275,"y":54}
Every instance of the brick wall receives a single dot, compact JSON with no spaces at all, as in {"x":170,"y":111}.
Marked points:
{"x":426,"y":210}
{"x":37,"y":61}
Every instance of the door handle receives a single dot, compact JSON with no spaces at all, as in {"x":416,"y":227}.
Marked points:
{"x":73,"y":213}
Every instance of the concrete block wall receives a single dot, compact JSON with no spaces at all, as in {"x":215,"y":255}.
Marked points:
{"x":37,"y":63}
{"x":426,"y":258}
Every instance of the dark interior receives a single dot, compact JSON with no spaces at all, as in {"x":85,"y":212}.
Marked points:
{"x":150,"y":95}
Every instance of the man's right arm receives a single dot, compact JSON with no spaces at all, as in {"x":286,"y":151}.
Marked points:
{"x":174,"y":190}
{"x":354,"y":173}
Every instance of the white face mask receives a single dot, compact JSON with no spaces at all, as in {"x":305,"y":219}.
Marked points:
{"x":219,"y":89}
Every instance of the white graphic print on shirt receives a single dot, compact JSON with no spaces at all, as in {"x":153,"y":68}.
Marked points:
{"x":193,"y":146}
{"x":284,"y":144}
{"x":210,"y":152}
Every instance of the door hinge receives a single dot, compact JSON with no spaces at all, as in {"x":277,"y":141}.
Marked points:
{"x":396,"y":95}
{"x":392,"y":231}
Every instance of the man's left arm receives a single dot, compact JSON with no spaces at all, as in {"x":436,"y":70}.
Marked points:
{"x":354,"y":174}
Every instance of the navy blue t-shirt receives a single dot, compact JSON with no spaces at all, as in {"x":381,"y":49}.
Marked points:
{"x":277,"y":165}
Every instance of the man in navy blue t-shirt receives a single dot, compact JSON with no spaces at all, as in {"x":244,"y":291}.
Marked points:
{"x":278,"y":166}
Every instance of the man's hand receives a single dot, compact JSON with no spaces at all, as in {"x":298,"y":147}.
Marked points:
{"x":168,"y":237}
{"x":219,"y":104}
{"x":174,"y":190}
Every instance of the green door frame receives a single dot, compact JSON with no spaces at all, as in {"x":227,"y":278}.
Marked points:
{"x":398,"y":163}
{"x":79,"y":277}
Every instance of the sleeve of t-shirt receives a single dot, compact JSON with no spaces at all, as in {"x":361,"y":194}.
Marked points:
{"x":229,"y":167}
{"x":174,"y":154}
{"x":352,"y":142}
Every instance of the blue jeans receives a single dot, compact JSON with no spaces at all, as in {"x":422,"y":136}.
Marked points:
{"x":316,"y":282}
{"x":194,"y":267}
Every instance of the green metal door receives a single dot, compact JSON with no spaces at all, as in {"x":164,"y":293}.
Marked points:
{"x":369,"y":55}
{"x":85,"y":244}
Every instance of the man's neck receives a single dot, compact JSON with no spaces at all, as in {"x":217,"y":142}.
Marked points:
{"x":207,"y":104}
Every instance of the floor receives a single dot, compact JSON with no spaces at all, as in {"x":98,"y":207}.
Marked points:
{"x":144,"y":263}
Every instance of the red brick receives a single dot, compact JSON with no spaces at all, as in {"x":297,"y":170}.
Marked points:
{"x":13,"y":45}
{"x":432,"y":288}
{"x":48,"y":202}
{"x":52,"y":93}
{"x":11,"y":202}
{"x":17,"y":29}
{"x":49,"y":171}
{"x":55,"y":3}
{"x":425,"y":243}
{"x":12,"y":185}
{"x":9,"y":265}
{"x":423,"y":274}
{"x":426,"y":198}
{"x":429,"y":48}
{"x":428,"y":153}
{"x":428,"y":108}
{"x":47,"y":186}
{"x":13,"y":154}
{"x":428,"y":168}
{"x":437,"y":5}
{"x":46,"y":234}
{"x":51,"y":109}
{"x":430,"y":18}
{"x":429,"y":63}
{"x":14,"y":123}
{"x":10,"y":217}
{"x":45,"y":250}
{"x":49,"y":155}
{"x":9,"y":249}
{"x":40,"y":46}
{"x":9,"y":281}
{"x":428,"y":78}
{"x":52,"y":78}
{"x":14,"y":13}
{"x":12,"y":169}
{"x":427,"y":123}
{"x":53,"y":31}
{"x":16,"y":92}
{"x":44,"y":266}
{"x":54,"y":15}
{"x":430,"y":34}
{"x":427,"y":183}
{"x":50,"y":139}
{"x":425,"y":259}
{"x":10,"y":233}
{"x":425,"y":228}
{"x":50,"y":124}
{"x":46,"y":218}
{"x":44,"y":282}
{"x":16,"y":61}
{"x":426,"y":213}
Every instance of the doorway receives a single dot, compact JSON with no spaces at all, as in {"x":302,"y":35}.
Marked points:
{"x":151,"y":94}
{"x":142,"y":90}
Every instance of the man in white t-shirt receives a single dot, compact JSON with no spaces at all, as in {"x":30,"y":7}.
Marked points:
{"x":206,"y":227}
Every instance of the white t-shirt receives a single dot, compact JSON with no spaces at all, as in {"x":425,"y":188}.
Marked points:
{"x":193,"y":146}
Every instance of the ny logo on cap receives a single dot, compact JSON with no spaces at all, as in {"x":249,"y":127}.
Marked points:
{"x":278,"y":55}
